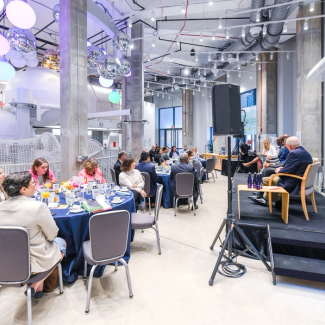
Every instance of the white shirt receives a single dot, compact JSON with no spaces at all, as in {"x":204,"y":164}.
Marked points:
{"x":271,"y":153}
{"x":131,"y":177}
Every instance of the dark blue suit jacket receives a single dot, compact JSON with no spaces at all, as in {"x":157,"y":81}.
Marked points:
{"x":296,"y":163}
{"x":144,"y":167}
{"x":117,"y":168}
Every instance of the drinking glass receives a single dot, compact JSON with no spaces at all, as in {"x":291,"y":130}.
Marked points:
{"x":48,"y":184}
{"x":45,"y":195}
{"x":81,"y":197}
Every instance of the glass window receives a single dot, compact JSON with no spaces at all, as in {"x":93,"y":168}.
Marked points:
{"x":169,"y":142}
{"x":166,"y":118}
{"x":178,"y":117}
{"x":179,"y":142}
{"x":162,"y":138}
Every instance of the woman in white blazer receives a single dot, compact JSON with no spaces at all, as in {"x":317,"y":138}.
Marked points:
{"x":20,"y":210}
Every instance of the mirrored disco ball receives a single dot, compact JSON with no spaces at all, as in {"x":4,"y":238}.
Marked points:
{"x":122,"y":42}
{"x":56,"y":13}
{"x":51,"y":56}
{"x":94,"y":53}
{"x":109,"y":67}
{"x":125,"y":67}
{"x":21,"y":40}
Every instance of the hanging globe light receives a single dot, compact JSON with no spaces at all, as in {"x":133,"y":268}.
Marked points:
{"x":1,"y":4}
{"x":125,"y":66}
{"x":21,"y":14}
{"x":122,"y":42}
{"x":109,"y":67}
{"x":51,"y":60}
{"x":114,"y":97}
{"x":4,"y":45}
{"x":21,"y":40}
{"x":94,"y":53}
{"x":7,"y":71}
{"x":56,"y":13}
{"x":106,"y":82}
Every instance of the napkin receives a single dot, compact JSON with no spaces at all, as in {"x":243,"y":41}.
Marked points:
{"x":123,"y":193}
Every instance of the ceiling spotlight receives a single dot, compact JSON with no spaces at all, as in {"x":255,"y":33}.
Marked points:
{"x":256,"y":56}
{"x":215,"y":65}
{"x":285,"y":27}
{"x":199,"y":72}
{"x":288,"y":56}
{"x":243,"y":33}
{"x":238,"y":66}
{"x":171,"y":59}
{"x":168,"y":70}
{"x":183,"y":7}
{"x":173,"y":80}
{"x":220,"y":23}
{"x":163,"y":96}
{"x":210,"y":95}
{"x":132,"y":46}
{"x":258,"y":16}
{"x":186,"y":86}
{"x":147,"y":84}
{"x":186,"y":72}
{"x":130,"y":22}
{"x":197,"y":58}
{"x":260,"y":66}
{"x":177,"y":39}
{"x":162,"y":87}
{"x":205,"y":83}
{"x":201,"y":37}
{"x":209,"y":57}
{"x":199,"y":88}
{"x":306,"y":24}
{"x":153,"y":43}
{"x":271,"y":56}
{"x":237,"y":57}
{"x":155,"y":78}
{"x":213,"y":36}
{"x":192,"y":53}
{"x":227,"y":33}
{"x":222,"y":57}
{"x":215,"y":73}
{"x":228,"y":75}
{"x":210,"y":3}
{"x":204,"y":72}
{"x":312,"y":7}
{"x":239,"y":74}
{"x":152,"y":16}
{"x":193,"y":93}
{"x":169,"y":97}
{"x":264,"y":30}
{"x":157,"y":94}
{"x":148,"y":58}
{"x":203,"y":94}
{"x":183,"y":80}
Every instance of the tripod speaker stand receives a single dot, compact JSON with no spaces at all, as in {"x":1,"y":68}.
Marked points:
{"x":231,"y":224}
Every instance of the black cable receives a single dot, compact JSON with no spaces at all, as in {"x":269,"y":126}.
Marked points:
{"x":232,"y":269}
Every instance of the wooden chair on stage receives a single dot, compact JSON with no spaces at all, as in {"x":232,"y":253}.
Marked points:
{"x":307,"y":185}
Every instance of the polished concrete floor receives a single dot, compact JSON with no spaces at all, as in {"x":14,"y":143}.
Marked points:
{"x":172,"y":288}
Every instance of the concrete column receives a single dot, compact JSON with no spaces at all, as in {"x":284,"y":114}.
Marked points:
{"x":23,"y":114}
{"x":133,"y":97}
{"x":187,"y":138}
{"x":266,"y":95}
{"x":73,"y":83}
{"x":309,"y":95}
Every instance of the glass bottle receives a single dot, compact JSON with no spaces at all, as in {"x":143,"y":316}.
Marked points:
{"x":254,"y":180}
{"x":249,"y":180}
{"x":258,"y":182}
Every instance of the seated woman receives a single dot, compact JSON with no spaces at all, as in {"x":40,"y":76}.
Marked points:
{"x":41,"y":172}
{"x":174,"y":152}
{"x":91,"y":171}
{"x":191,"y":155}
{"x":158,"y":156}
{"x":20,"y":210}
{"x":3,"y":194}
{"x":268,"y":152}
{"x":132,"y":179}
{"x":194,"y":150}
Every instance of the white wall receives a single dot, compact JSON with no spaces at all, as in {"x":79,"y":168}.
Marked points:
{"x":149,"y":113}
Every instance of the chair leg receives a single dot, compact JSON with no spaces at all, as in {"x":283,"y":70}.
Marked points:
{"x":312,"y":195}
{"x":216,"y":173}
{"x":193,"y":206}
{"x":158,"y":238}
{"x":90,"y":282}
{"x":29,"y":303}
{"x":60,"y":278}
{"x":116,"y":263}
{"x":303,"y":203}
{"x":201,"y":197}
{"x":213,"y":176}
{"x":127,"y":276}
{"x":189,"y":203}
{"x":85,"y":270}
{"x":176,"y":206}
{"x":149,"y":205}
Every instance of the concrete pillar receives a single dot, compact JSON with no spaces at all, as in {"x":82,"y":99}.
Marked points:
{"x":309,"y":95}
{"x":23,"y":114}
{"x":266,"y":95}
{"x":73,"y":83}
{"x":187,"y":138}
{"x":133,"y":97}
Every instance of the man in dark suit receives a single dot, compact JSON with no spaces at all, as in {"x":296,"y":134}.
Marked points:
{"x":117,"y":167}
{"x":296,"y":163}
{"x":145,"y":167}
{"x":183,"y":167}
{"x":165,"y":155}
{"x":153,"y":153}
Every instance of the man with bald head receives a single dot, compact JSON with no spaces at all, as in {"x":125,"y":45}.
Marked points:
{"x":296,"y":163}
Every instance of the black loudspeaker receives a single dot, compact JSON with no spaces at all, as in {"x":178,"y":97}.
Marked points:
{"x":226,"y":110}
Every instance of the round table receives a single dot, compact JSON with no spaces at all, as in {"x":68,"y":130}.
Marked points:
{"x":167,"y":197}
{"x":74,"y":229}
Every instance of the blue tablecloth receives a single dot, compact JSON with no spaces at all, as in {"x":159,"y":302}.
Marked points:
{"x":167,"y":197}
{"x":74,"y":228}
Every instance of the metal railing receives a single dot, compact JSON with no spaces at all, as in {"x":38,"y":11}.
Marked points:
{"x":105,"y":164}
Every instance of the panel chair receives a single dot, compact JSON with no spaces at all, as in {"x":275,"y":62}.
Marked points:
{"x":146,"y":221}
{"x":184,"y":189}
{"x":146,"y":188}
{"x":197,"y":165}
{"x":210,"y":167}
{"x":15,"y":263}
{"x":113,"y":175}
{"x":108,"y":232}
{"x":307,"y":185}
{"x":161,"y":160}
{"x":214,"y":166}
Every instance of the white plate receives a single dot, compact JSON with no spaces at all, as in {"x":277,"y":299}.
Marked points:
{"x":124,"y":190}
{"x":76,"y":211}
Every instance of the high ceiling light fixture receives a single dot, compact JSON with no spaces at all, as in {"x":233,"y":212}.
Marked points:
{"x":243,"y":32}
{"x":271,"y":56}
{"x":228,"y":75}
{"x":130,"y":22}
{"x":288,"y":56}
{"x":222,"y":57}
{"x":238,"y":66}
{"x":227,"y":33}
{"x":210,"y":3}
{"x":220,"y":23}
{"x":259,"y":67}
{"x":285,"y":27}
{"x":213,"y":36}
{"x":153,"y":43}
{"x":199,"y":72}
{"x":237,"y":57}
{"x":209,"y":57}
{"x":239,"y":74}
{"x":312,"y":7}
{"x":204,"y":72}
{"x":256,"y":56}
{"x":155,"y":78}
{"x":250,"y":76}
{"x":306,"y":24}
{"x":183,"y":7}
{"x":197,"y":58}
{"x":258,"y":16}
{"x":201,"y":37}
{"x":147,"y":84}
{"x":21,"y":14}
{"x":152,"y":16}
{"x":186,"y":72}
{"x":264,"y":30}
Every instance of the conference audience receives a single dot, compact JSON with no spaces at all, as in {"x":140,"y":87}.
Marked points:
{"x":117,"y":167}
{"x":183,"y":167}
{"x":297,"y":161}
{"x":145,"y":167}
{"x":184,"y":150}
{"x":41,"y":172}
{"x":244,"y":149}
{"x":194,"y":150}
{"x":144,"y":150}
{"x":132,"y":179}
{"x":91,"y":171}
{"x":46,"y":249}
{"x":158,"y":156}
{"x":3,"y":194}
{"x":153,"y":153}
{"x":174,"y":152}
{"x":191,"y":155}
{"x":165,"y":155}
{"x":268,"y":152}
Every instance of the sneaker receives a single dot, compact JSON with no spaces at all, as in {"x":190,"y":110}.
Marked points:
{"x":261,"y":201}
{"x":196,"y":207}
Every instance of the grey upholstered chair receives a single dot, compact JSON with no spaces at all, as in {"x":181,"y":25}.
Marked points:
{"x":15,"y":263}
{"x":201,"y":177}
{"x":108,"y":232}
{"x":146,"y":221}
{"x":146,"y":178}
{"x":210,"y":167}
{"x":198,"y":166}
{"x":113,"y":175}
{"x":161,"y":160}
{"x":184,"y":189}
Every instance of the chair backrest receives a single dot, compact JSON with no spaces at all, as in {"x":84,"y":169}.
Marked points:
{"x":201,"y":156}
{"x":161,"y":160}
{"x":146,"y":178}
{"x":197,"y":165}
{"x":184,"y":184}
{"x":108,"y":233}
{"x":15,"y":255}
{"x":158,"y":200}
{"x":201,"y":173}
{"x":310,"y":174}
{"x":113,"y":175}
{"x":210,"y":165}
